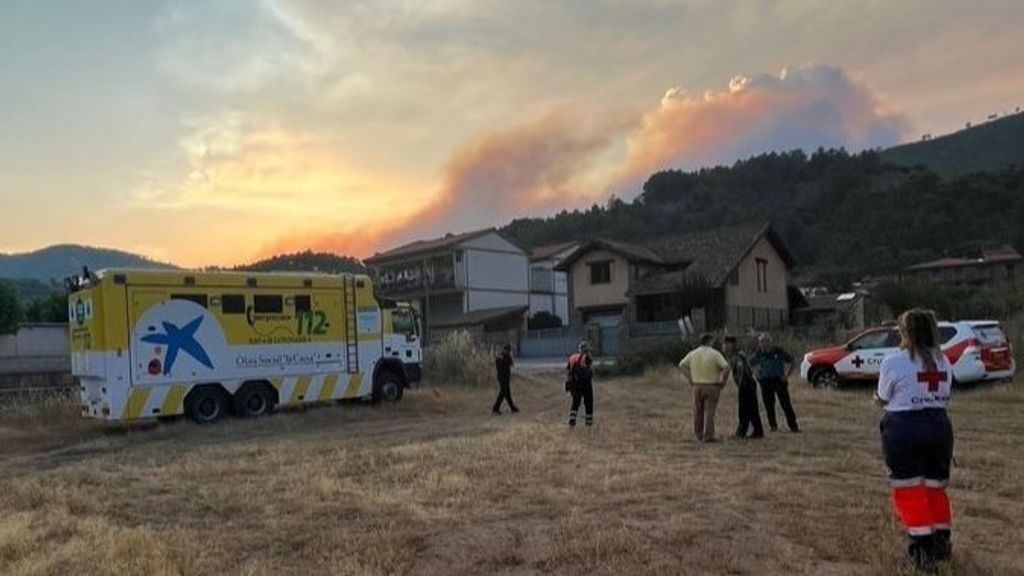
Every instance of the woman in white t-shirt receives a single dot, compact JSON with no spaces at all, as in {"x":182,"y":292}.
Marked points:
{"x":917,"y":437}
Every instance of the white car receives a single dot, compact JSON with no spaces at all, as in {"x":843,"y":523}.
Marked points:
{"x":978,"y":350}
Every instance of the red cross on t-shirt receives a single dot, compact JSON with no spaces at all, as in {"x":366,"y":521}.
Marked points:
{"x":932,"y":378}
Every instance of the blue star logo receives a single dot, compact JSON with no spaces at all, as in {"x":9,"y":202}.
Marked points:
{"x":184,"y":339}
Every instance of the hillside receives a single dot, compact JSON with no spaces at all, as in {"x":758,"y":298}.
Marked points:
{"x":57,"y":262}
{"x":307,"y":261}
{"x":843,"y":216}
{"x":990,"y":146}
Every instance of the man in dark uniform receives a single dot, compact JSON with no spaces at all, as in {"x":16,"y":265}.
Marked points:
{"x":580,"y":384}
{"x":773,"y":368}
{"x":503,"y":363}
{"x":743,"y":375}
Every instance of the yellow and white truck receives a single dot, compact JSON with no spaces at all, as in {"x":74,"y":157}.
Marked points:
{"x":148,"y":344}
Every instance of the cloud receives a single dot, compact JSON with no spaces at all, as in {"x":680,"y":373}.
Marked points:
{"x":805,"y":107}
{"x":563,"y":160}
{"x":537,"y":166}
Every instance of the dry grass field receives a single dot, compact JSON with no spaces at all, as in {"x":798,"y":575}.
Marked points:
{"x":438,"y":486}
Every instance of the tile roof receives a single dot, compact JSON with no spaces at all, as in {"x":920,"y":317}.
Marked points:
{"x":980,"y":257}
{"x":551,"y":250}
{"x":485,"y":316}
{"x":431,"y":245}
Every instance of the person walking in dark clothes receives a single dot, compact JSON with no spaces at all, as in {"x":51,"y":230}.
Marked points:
{"x":580,"y":384}
{"x":743,"y":375}
{"x":503,"y":363}
{"x":774,"y":366}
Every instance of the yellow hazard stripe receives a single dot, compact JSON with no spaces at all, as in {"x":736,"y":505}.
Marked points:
{"x":136,"y":403}
{"x":354,"y":383}
{"x":327,"y":390}
{"x":172,"y":403}
{"x":299,"y":393}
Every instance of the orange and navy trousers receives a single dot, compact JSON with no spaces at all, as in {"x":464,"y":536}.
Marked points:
{"x":918,"y":448}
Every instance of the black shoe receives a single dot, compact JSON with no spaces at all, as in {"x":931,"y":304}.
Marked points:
{"x":572,"y":423}
{"x":794,"y":430}
{"x":757,"y":435}
{"x":496,"y":412}
{"x":514,"y":409}
{"x":922,"y":553}
{"x":943,"y":546}
{"x":775,"y":428}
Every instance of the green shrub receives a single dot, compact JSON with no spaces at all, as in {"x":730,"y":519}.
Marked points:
{"x":640,"y":354}
{"x":457,"y":358}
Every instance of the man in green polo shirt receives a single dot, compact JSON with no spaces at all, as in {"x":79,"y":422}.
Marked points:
{"x":707,"y":371}
{"x":774,"y":366}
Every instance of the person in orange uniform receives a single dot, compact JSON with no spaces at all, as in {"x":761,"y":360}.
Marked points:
{"x":580,"y":384}
{"x":917,"y":437}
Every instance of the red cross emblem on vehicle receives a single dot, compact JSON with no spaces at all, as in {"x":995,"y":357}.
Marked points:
{"x":932,"y":378}
{"x":858,"y":361}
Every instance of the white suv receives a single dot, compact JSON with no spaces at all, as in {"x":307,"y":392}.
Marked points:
{"x":978,"y":350}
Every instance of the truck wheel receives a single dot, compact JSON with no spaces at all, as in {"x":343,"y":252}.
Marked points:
{"x":254,"y":400}
{"x":825,"y":378}
{"x":206,"y":404}
{"x":388,"y":388}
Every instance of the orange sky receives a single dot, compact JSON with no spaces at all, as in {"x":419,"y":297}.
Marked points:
{"x":217,"y":133}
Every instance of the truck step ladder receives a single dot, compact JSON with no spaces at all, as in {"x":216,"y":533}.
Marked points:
{"x":351,"y":326}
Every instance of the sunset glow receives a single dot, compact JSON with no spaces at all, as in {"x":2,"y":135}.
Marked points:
{"x":210,"y":133}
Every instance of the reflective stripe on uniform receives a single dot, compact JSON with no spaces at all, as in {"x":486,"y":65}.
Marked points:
{"x":907,"y":482}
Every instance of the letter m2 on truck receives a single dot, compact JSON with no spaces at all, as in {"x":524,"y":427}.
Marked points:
{"x":151,"y":344}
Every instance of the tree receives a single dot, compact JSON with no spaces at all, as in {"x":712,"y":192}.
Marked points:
{"x":543,"y":320}
{"x":10,"y":309}
{"x":52,"y":308}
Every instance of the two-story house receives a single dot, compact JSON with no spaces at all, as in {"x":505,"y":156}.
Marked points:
{"x":981,"y":266}
{"x":737,"y":276}
{"x":481,"y":281}
{"x":549,"y":288}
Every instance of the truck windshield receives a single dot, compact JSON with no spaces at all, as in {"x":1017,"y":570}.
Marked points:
{"x":404,"y":322}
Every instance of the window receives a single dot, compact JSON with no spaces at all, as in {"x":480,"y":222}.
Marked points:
{"x":873,"y":339}
{"x":303,"y":303}
{"x":232,"y":304}
{"x":403,"y":321}
{"x":601,"y":272}
{"x":734,"y":277}
{"x":267,"y":304}
{"x":946,"y":333}
{"x":762,"y":275}
{"x":200,"y":299}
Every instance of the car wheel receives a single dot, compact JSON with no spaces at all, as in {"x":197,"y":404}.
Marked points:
{"x":825,"y":379}
{"x":254,"y":400}
{"x":206,"y":404}
{"x":388,"y":388}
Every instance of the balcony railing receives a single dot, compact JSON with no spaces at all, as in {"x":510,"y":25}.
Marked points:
{"x":412,"y":282}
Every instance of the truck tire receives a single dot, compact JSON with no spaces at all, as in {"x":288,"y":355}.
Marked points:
{"x":254,"y":399}
{"x":825,"y":379}
{"x":388,"y":387}
{"x":206,"y":404}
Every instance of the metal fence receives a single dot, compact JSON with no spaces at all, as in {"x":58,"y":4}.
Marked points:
{"x":654,"y":329}
{"x":741,"y":317}
{"x":550,"y":342}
